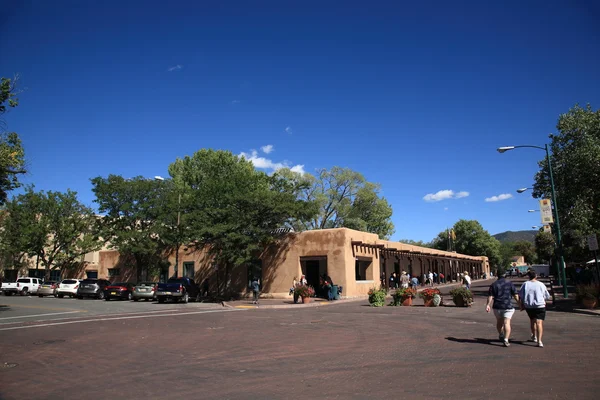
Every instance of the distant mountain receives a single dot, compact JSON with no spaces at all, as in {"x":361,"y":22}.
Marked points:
{"x":510,"y":236}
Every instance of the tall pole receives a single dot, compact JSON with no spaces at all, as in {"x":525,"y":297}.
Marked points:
{"x":558,"y":234}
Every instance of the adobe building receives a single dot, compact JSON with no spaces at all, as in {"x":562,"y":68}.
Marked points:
{"x":355,"y":260}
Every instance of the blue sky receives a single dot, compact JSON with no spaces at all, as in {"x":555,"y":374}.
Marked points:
{"x":416,"y":97}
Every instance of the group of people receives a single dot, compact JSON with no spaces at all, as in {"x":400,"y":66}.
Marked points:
{"x":531,"y":298}
{"x":404,"y":280}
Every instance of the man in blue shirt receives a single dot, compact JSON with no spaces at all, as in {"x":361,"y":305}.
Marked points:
{"x":501,"y":293}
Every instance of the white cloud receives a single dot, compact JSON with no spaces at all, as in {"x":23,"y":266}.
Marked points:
{"x":445,"y":208}
{"x":500,"y":197}
{"x":444,"y":195}
{"x":288,"y":129}
{"x":265,"y":163}
{"x":267,"y":149}
{"x":175,"y":68}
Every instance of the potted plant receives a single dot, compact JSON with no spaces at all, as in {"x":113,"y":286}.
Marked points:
{"x":461,"y":296}
{"x":588,"y":295}
{"x":304,"y":291}
{"x":377,"y":297}
{"x":427,"y":296}
{"x":404,"y":297}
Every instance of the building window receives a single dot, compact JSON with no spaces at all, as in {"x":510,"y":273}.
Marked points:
{"x":112,"y":272}
{"x":188,"y":269}
{"x":92,"y":274}
{"x":363,"y":268}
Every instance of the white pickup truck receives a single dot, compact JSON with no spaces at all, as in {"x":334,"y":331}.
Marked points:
{"x":22,"y":286}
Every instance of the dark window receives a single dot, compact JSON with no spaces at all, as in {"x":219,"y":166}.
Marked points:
{"x":112,"y":272}
{"x":188,"y":269}
{"x":69,"y":282}
{"x":363,"y":269}
{"x":24,"y":280}
{"x":92,"y":274}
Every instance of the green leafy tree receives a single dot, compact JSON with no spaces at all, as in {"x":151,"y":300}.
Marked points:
{"x":544,"y":245}
{"x":507,"y":252}
{"x":138,"y":219}
{"x":471,"y":239}
{"x":525,"y":249}
{"x":416,"y":243}
{"x":12,"y":156}
{"x":576,"y":167}
{"x":54,"y":227}
{"x":234,"y":210}
{"x":344,"y":199}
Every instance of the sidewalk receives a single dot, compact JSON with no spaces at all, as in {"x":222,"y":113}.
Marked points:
{"x":318,"y":302}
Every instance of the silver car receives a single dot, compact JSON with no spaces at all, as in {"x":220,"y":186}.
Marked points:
{"x":47,"y":289}
{"x":145,"y":290}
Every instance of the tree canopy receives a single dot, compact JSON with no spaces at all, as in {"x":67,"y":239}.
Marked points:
{"x":344,"y":199}
{"x":54,"y":227}
{"x":471,"y":239}
{"x":576,"y":167}
{"x":12,"y":155}
{"x":232,"y":209}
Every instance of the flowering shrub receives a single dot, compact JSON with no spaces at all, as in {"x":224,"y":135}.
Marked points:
{"x":304,"y":291}
{"x":403,"y":294}
{"x":461,"y":295}
{"x":427,"y":294}
{"x":377,"y":297}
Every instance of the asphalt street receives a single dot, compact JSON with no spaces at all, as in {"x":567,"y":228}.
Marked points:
{"x":351,"y":351}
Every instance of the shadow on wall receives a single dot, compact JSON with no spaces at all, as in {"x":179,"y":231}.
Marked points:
{"x":273,"y":256}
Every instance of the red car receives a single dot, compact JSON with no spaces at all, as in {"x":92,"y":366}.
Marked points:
{"x":119,"y":290}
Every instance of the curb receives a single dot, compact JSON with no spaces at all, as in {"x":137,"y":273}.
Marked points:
{"x":317,"y":303}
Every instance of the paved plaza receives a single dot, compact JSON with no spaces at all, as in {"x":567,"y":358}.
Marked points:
{"x":74,"y":349}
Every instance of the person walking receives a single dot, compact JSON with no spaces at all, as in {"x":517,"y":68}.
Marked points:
{"x":414,"y":283}
{"x":533,"y":295}
{"x":404,"y":280}
{"x":255,"y":285}
{"x":501,"y":293}
{"x":442,"y":278}
{"x":467,"y":280}
{"x":393,"y":280}
{"x":430,"y":278}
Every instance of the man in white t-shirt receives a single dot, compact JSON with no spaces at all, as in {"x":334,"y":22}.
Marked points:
{"x":533,"y":295}
{"x":467,"y":280}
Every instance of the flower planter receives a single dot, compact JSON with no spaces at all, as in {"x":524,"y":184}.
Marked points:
{"x":428,"y":302}
{"x":459,"y":302}
{"x":407,"y":302}
{"x":305,"y":300}
{"x":589,"y":303}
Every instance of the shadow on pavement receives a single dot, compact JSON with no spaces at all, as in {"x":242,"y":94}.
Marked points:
{"x":490,"y":342}
{"x":4,"y":307}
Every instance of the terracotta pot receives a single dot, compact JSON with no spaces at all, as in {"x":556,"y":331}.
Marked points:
{"x":407,"y":301}
{"x":589,"y":303}
{"x":428,"y":302}
{"x":306,"y":300}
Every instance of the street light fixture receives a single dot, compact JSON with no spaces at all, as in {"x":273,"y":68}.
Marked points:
{"x":562,"y":269}
{"x":177,"y":244}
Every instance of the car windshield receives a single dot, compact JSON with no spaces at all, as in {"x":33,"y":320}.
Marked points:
{"x":176,"y":280}
{"x":146,"y":284}
{"x":69,"y":281}
{"x":119,"y":284}
{"x":23,"y":280}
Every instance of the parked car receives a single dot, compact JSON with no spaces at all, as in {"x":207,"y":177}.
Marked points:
{"x":119,"y":290}
{"x":145,"y":290}
{"x":47,"y":289}
{"x":92,"y":288}
{"x":67,"y":287}
{"x":22,"y":286}
{"x":178,"y":289}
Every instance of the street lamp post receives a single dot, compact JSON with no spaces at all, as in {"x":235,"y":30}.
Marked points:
{"x":177,"y":244}
{"x":555,"y":204}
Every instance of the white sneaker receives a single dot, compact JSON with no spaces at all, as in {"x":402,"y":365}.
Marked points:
{"x":506,"y":344}
{"x":540,"y":344}
{"x":534,"y":339}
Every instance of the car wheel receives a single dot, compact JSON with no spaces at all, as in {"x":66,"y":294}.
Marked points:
{"x":100,"y":295}
{"x":186,"y":297}
{"x":198,"y":298}
{"x":129,"y":296}
{"x":24,"y":292}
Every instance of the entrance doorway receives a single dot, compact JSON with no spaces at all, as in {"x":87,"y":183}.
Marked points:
{"x":313,"y":268}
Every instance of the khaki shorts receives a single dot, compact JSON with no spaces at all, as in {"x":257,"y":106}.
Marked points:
{"x":504,"y":313}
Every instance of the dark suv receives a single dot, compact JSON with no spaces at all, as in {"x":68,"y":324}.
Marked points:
{"x":92,"y":288}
